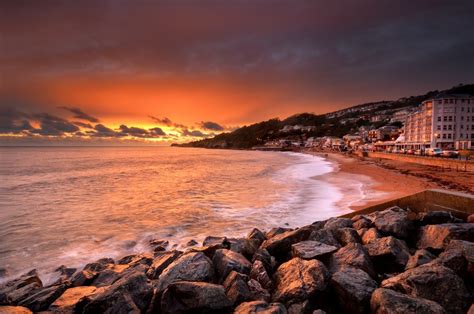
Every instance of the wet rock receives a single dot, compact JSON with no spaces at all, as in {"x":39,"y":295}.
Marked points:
{"x":161,"y":261}
{"x":195,"y":297}
{"x":211,"y":240}
{"x":14,"y":310}
{"x":41,"y":299}
{"x":131,"y":293}
{"x":260,"y":307}
{"x":99,"y":265}
{"x":276,"y":231}
{"x":353,"y":288}
{"x":15,"y":290}
{"x":437,"y":237}
{"x":191,"y":243}
{"x":347,"y":235}
{"x":257,"y":291}
{"x":65,"y":272}
{"x":159,"y":245}
{"x":312,"y":249}
{"x":226,"y":260}
{"x":68,"y":301}
{"x":352,"y":255}
{"x":280,"y":245}
{"x":83,"y":278}
{"x":259,"y":273}
{"x":257,"y":235}
{"x":236,"y":287}
{"x":135,"y":259}
{"x":420,"y":257}
{"x":193,"y":266}
{"x":298,"y":280}
{"x":458,"y":256}
{"x":111,"y":274}
{"x":362,"y":222}
{"x":338,"y":223}
{"x":435,"y":218}
{"x":370,"y":235}
{"x":388,"y":254}
{"x":385,"y":301}
{"x":325,"y":236}
{"x":239,"y":244}
{"x":394,"y":221}
{"x":436,"y":283}
{"x":263,"y":256}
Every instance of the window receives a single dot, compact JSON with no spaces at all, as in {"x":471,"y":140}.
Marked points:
{"x":472,"y":135}
{"x":462,"y":118}
{"x":444,"y":127}
{"x":460,"y":135}
{"x":449,"y":135}
{"x":445,"y":118}
{"x":439,"y":119}
{"x":450,"y":127}
{"x":439,"y":127}
{"x":462,"y":126}
{"x":450,"y":118}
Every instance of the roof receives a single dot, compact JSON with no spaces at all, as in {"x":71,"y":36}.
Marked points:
{"x":446,"y":95}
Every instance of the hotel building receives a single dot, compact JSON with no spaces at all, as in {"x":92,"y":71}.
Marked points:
{"x":445,"y":121}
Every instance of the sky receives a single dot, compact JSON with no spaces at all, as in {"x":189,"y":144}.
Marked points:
{"x":124,"y":71}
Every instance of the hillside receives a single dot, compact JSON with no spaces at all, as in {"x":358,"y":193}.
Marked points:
{"x":336,"y":123}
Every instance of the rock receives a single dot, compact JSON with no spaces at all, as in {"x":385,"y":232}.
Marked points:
{"x":3,"y":272}
{"x":257,"y":235}
{"x":236,"y":287}
{"x":41,"y":299}
{"x":420,"y":257}
{"x":83,"y":278}
{"x":386,"y":301}
{"x":394,"y":221}
{"x":99,"y":265}
{"x":226,"y":260}
{"x":276,"y":231}
{"x":14,"y":310}
{"x":353,"y":288}
{"x":259,"y":273}
{"x":211,"y":240}
{"x":192,"y":266}
{"x":338,"y":223}
{"x":15,"y":290}
{"x":437,"y":237}
{"x":458,"y":256}
{"x":257,"y":291}
{"x":352,"y":255}
{"x":115,"y":272}
{"x":280,"y":245}
{"x":136,"y":259}
{"x":325,"y":236}
{"x":161,"y":261}
{"x":319,"y":312}
{"x":159,"y":245}
{"x":470,"y":218}
{"x":347,"y":235}
{"x":300,"y":307}
{"x":370,"y":235}
{"x":266,"y":259}
{"x":131,"y":293}
{"x":362,"y":222}
{"x":312,"y":249}
{"x":191,"y":242}
{"x":194,"y":297}
{"x":435,"y":218}
{"x":260,"y":307}
{"x":238,"y":245}
{"x":68,"y":301}
{"x":436,"y":283}
{"x":298,"y":280}
{"x":388,"y":254}
{"x":65,"y":272}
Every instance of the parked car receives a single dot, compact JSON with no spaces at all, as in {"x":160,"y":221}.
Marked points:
{"x":434,"y":152}
{"x":418,"y":152}
{"x":410,"y":151}
{"x":450,"y":153}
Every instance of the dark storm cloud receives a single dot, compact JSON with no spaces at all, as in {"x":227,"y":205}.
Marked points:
{"x":193,"y":133}
{"x":103,"y":131}
{"x":52,"y":125}
{"x":79,"y":114}
{"x":209,"y":125}
{"x":13,"y":121}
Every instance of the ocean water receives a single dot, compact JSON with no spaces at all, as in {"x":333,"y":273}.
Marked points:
{"x":70,"y":206}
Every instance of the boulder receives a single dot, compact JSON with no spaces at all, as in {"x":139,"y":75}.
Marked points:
{"x":299,"y":279}
{"x":83,"y":278}
{"x":257,"y":235}
{"x":352,"y":255}
{"x":191,"y":242}
{"x":159,"y":245}
{"x":192,"y":266}
{"x":131,"y":293}
{"x":99,"y":265}
{"x":15,"y":290}
{"x":260,"y":307}
{"x":212,"y":240}
{"x":386,"y":301}
{"x":68,"y":301}
{"x":276,"y":231}
{"x":458,"y":256}
{"x":470,"y":218}
{"x":394,"y":221}
{"x":347,"y":235}
{"x":266,"y":259}
{"x":41,"y":299}
{"x":420,"y":257}
{"x":110,"y":275}
{"x":325,"y":236}
{"x":437,"y":237}
{"x":136,"y":259}
{"x":280,"y":245}
{"x":312,"y":249}
{"x":338,"y":223}
{"x":259,"y":273}
{"x":226,"y":260}
{"x":257,"y":291}
{"x":362,"y":222}
{"x":161,"y":261}
{"x":388,"y":254}
{"x":236,"y":287}
{"x":436,"y":283}
{"x":194,"y":297}
{"x":435,"y":218}
{"x":300,"y":307}
{"x":370,"y":235}
{"x":239,"y":245}
{"x":14,"y":310}
{"x":353,"y":288}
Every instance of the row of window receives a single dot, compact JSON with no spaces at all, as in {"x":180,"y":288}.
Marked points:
{"x":450,"y":136}
{"x":454,"y":101}
{"x":447,"y":127}
{"x":450,"y":118}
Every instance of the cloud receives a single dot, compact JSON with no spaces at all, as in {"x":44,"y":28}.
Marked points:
{"x":13,"y":121}
{"x":103,"y":131}
{"x":165,"y":121}
{"x":84,"y":125}
{"x":209,"y":125}
{"x":52,"y":125}
{"x":193,"y":133}
{"x":157,"y":132}
{"x":79,"y":114}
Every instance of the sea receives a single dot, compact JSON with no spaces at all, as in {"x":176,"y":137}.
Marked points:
{"x":73,"y":205}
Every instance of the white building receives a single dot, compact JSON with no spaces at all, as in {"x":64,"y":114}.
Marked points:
{"x":446,"y":121}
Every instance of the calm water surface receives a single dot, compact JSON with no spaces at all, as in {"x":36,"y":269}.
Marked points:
{"x":73,"y":205}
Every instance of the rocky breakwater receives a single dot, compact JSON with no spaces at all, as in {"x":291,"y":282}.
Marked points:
{"x":392,"y":261}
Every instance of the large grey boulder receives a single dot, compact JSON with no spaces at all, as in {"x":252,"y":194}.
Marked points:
{"x":325,"y":236}
{"x":353,"y":288}
{"x":195,"y":297}
{"x":388,"y":254}
{"x":160,"y":262}
{"x":458,"y":256}
{"x":312,"y":249}
{"x":15,"y":290}
{"x":337,"y":223}
{"x":432,"y":282}
{"x":352,"y":255}
{"x":280,"y":245}
{"x":394,"y":221}
{"x":298,"y":280}
{"x":437,"y":237}
{"x":41,"y":299}
{"x":386,"y":301}
{"x":236,"y":287}
{"x":226,"y":261}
